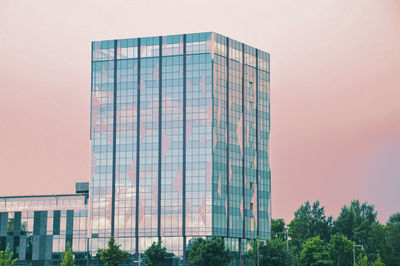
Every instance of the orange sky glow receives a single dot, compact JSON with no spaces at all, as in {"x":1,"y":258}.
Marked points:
{"x":335,"y":90}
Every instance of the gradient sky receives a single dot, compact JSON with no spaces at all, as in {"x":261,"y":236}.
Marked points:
{"x":335,"y":90}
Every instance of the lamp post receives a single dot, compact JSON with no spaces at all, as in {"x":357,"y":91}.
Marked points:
{"x":138,"y":259}
{"x":87,"y":251}
{"x":354,"y":252}
{"x":258,"y":252}
{"x":287,"y":238}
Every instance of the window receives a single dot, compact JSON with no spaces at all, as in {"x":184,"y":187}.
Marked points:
{"x":251,"y":206}
{"x":251,"y":185}
{"x":252,"y":224}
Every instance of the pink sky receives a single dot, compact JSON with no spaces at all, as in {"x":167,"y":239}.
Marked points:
{"x":335,"y":83}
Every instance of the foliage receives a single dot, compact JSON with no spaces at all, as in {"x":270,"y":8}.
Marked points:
{"x":317,"y":240}
{"x":6,"y":258}
{"x":155,"y":254}
{"x":113,"y":255}
{"x":376,"y":241}
{"x":309,"y":222}
{"x":315,"y":252}
{"x":278,"y":229}
{"x":358,"y":222}
{"x":209,"y":252}
{"x":394,"y":219}
{"x":352,"y":218}
{"x":270,"y":252}
{"x":68,"y":257}
{"x":341,"y":250}
{"x":362,"y":260}
{"x":378,"y":261}
{"x":392,"y":236}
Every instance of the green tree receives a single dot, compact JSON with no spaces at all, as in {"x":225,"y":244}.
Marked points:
{"x":6,"y":258}
{"x":205,"y":252}
{"x":394,"y":219}
{"x":392,"y":236}
{"x":269,"y":252}
{"x":309,"y":221}
{"x":358,"y":222}
{"x":113,"y":255}
{"x":351,"y":218}
{"x":68,"y":257}
{"x":378,"y":261}
{"x":155,"y":254}
{"x":341,"y":250}
{"x":278,"y":229}
{"x":315,"y":253}
{"x":362,"y":260}
{"x":375,"y":241}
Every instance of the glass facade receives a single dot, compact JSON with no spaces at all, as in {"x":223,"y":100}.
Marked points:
{"x":180,"y":141}
{"x":38,"y":227}
{"x":179,"y":134}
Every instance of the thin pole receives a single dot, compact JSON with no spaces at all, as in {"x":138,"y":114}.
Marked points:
{"x":258,"y":252}
{"x":287,"y":240}
{"x":87,"y":251}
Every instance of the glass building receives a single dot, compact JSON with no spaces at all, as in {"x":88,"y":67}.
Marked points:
{"x":37,"y":228}
{"x":180,"y":131}
{"x":179,"y":136}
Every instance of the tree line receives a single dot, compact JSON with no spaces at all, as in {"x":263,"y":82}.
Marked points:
{"x":355,"y":237}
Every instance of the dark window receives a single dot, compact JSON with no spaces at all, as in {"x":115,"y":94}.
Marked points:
{"x":56,"y":223}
